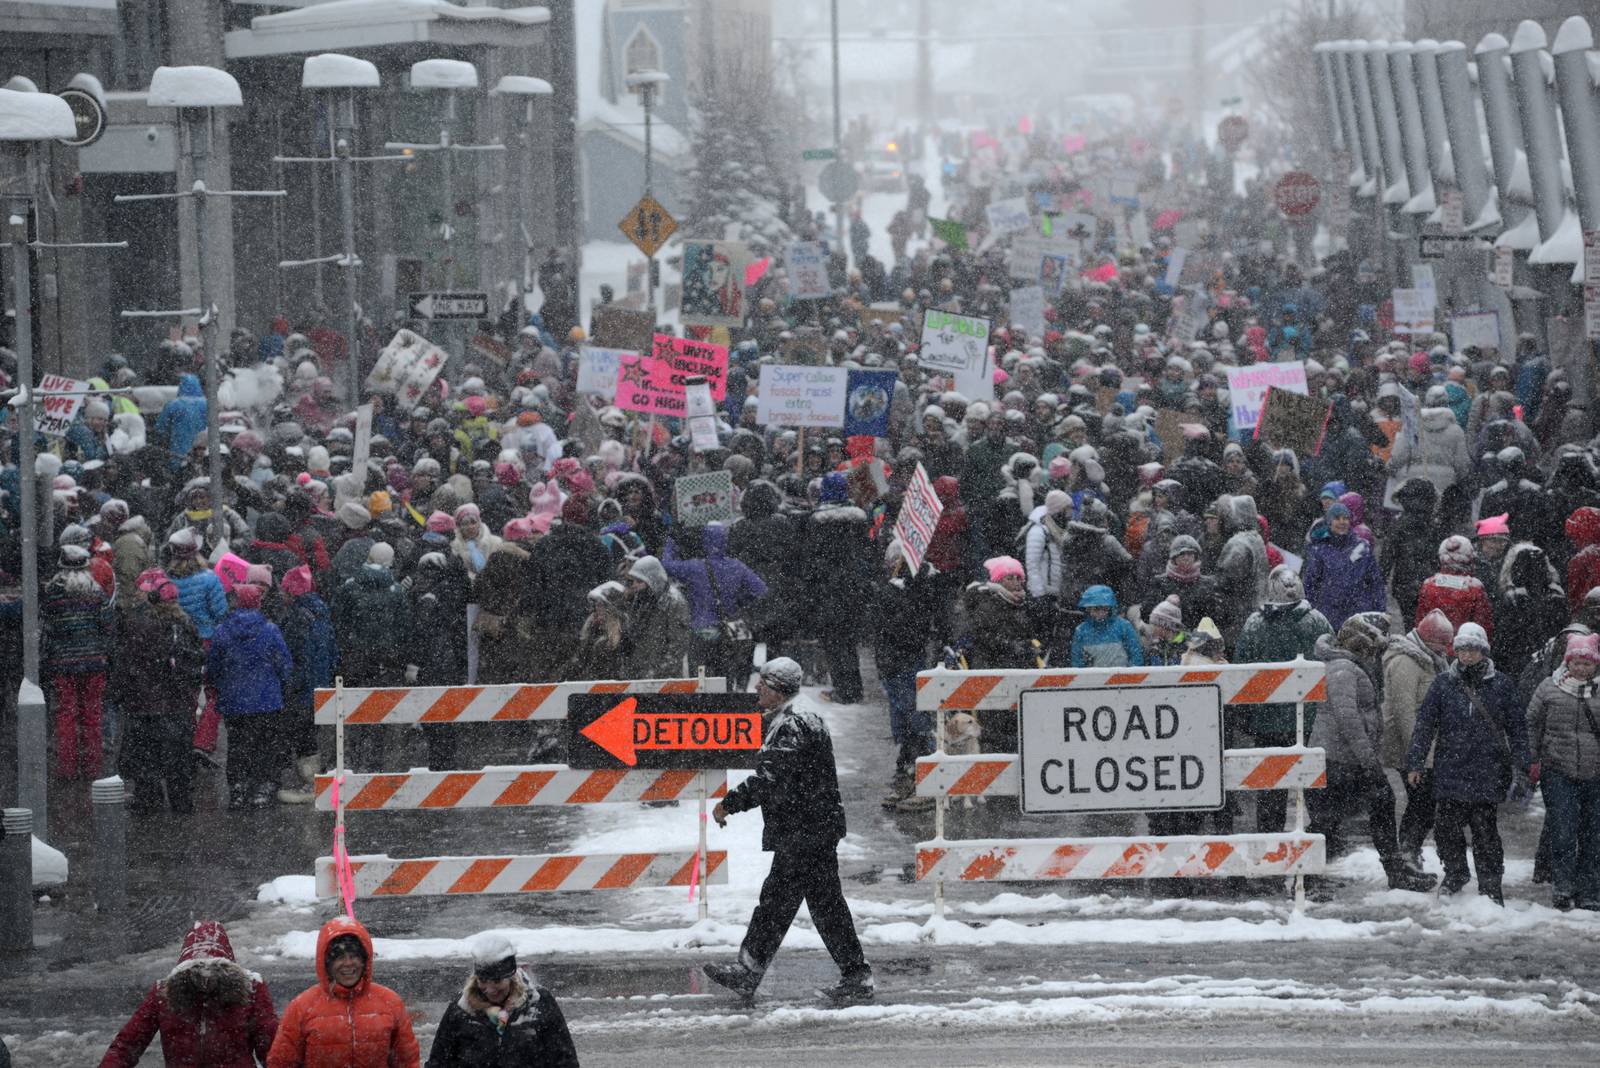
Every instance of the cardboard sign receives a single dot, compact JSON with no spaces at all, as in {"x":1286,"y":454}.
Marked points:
{"x":689,"y":731}
{"x":868,"y":395}
{"x":1009,"y":216}
{"x":958,"y":346}
{"x":406,"y":368}
{"x":1169,"y":431}
{"x":797,"y":395}
{"x":702,"y":413}
{"x":1591,"y":257}
{"x":704,"y":498}
{"x":713,"y":283}
{"x":362,"y":448}
{"x":807,"y":263}
{"x":1175,"y":261}
{"x":919,"y":515}
{"x":677,"y":359}
{"x":1027,"y":310}
{"x":882,"y":313}
{"x":1413,"y":311}
{"x":55,"y":415}
{"x":1294,"y":421}
{"x":1479,"y":328}
{"x":597,"y":370}
{"x":623,"y":328}
{"x":1247,"y":388}
{"x":1505,"y":266}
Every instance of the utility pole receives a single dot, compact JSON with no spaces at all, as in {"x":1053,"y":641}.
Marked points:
{"x":838,"y":132}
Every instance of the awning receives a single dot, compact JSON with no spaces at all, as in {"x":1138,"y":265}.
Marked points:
{"x":364,"y":24}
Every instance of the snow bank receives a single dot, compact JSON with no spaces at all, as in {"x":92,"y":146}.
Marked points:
{"x":49,"y":865}
{"x":296,"y":890}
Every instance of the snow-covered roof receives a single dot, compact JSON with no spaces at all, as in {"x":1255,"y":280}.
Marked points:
{"x":34,"y":117}
{"x":375,"y":23}
{"x":330,"y":70}
{"x":622,"y":119}
{"x":193,"y":87}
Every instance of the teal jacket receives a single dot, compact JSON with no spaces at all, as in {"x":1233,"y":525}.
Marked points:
{"x":1113,"y":643}
{"x":1274,"y":633}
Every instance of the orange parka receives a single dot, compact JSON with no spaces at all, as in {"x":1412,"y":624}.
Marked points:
{"x":329,"y":1026}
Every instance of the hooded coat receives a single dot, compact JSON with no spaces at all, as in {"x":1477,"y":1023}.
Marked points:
{"x":1560,"y":735}
{"x":764,"y":538}
{"x":1438,"y":455}
{"x":373,"y":623}
{"x":329,"y":1026}
{"x":737,"y":587}
{"x":1410,"y":556}
{"x":1242,"y":564}
{"x":1409,"y":668}
{"x":1467,"y":752}
{"x":658,"y":625}
{"x":1342,"y":577}
{"x":947,"y":549}
{"x":533,"y":1033}
{"x":183,"y":418}
{"x":1583,"y":570}
{"x":1529,"y":606}
{"x":249,"y":664}
{"x":1349,"y":725}
{"x":1275,"y":633}
{"x":505,"y":617}
{"x":1042,"y":554}
{"x":837,"y":567}
{"x":209,"y":1011}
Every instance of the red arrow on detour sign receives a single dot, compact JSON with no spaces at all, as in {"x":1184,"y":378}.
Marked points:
{"x":625,"y":729}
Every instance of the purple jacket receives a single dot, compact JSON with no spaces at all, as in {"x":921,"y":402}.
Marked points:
{"x":739,"y":586}
{"x":1342,"y":578}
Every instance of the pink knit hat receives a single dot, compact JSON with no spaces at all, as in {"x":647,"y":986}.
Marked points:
{"x":1582,"y":646}
{"x":441,"y":523}
{"x":1495,"y":526}
{"x":517,"y":529}
{"x":1456,"y":551}
{"x":1060,"y":467}
{"x":1436,"y":627}
{"x":247,"y":596}
{"x":232,"y":570}
{"x":1000,"y":567}
{"x":297,"y":581}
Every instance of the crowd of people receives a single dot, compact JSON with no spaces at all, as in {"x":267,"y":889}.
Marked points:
{"x":1439,"y":548}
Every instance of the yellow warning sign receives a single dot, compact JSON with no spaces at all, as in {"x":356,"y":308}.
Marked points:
{"x":648,"y":225}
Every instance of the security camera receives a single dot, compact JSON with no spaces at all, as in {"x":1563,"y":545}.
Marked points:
{"x":152,"y":134}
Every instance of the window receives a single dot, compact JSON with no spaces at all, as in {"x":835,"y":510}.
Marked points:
{"x":643,"y":52}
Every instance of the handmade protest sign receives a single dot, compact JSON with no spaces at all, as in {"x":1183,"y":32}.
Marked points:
{"x":919,"y":515}
{"x":807,"y":264}
{"x":54,"y":415}
{"x":677,"y":359}
{"x":406,"y":368}
{"x":1294,"y":421}
{"x":704,"y":498}
{"x":1247,"y":388}
{"x":867,"y":398}
{"x":958,"y":346}
{"x":597,"y":371}
{"x":802,"y":396}
{"x":1479,"y":328}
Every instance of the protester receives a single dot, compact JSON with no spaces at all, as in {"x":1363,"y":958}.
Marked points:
{"x":74,"y":645}
{"x":161,"y":665}
{"x":249,"y":664}
{"x":502,"y":1018}
{"x":346,"y":1020}
{"x":1564,"y":743}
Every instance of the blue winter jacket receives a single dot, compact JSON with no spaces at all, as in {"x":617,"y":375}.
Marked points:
{"x":1113,"y":643}
{"x":201,"y":596}
{"x":184,"y":418}
{"x":308,"y":632}
{"x":249,"y":664}
{"x":737,"y":585}
{"x":1467,"y":759}
{"x":1342,"y":577}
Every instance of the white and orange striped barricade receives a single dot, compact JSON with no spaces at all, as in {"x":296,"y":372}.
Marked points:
{"x":424,"y":790}
{"x":378,"y":876}
{"x":943,"y":776}
{"x":511,"y":787}
{"x":514,"y":703}
{"x":1030,"y":859}
{"x":995,"y":774}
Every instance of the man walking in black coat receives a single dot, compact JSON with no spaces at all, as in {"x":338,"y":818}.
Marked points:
{"x":796,"y":786}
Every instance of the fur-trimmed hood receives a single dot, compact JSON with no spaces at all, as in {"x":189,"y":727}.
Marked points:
{"x":523,"y":997}
{"x":838,"y":513}
{"x":206,"y":975}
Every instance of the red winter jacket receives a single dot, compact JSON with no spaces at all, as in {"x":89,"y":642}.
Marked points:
{"x":328,"y":1026}
{"x":230,"y":1026}
{"x":944,"y":548}
{"x":1461,"y":598}
{"x":1583,"y":571}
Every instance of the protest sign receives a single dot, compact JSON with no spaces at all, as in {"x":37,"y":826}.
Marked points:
{"x":702,"y":413}
{"x":713,"y":283}
{"x":597,"y":371}
{"x":1169,"y":430}
{"x":1139,"y":228}
{"x":1027,"y":310}
{"x":704,"y":498}
{"x":54,"y":415}
{"x":958,"y":346}
{"x":1009,"y":216}
{"x":1505,"y":266}
{"x":362,"y":449}
{"x":676,"y":359}
{"x":919,"y":515}
{"x":1175,"y":261}
{"x":807,"y":264}
{"x":794,"y":395}
{"x":1293,"y":421}
{"x":949,"y":231}
{"x":1478,"y":328}
{"x":1077,"y":225}
{"x":1422,"y":281}
{"x":1413,"y":311}
{"x":1247,"y":388}
{"x":1056,"y":269}
{"x":867,"y":398}
{"x":623,"y":328}
{"x":406,"y":368}
{"x":638,"y":391}
{"x":808,"y":348}
{"x":882,"y":313}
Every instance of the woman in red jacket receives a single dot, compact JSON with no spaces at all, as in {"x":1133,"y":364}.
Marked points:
{"x":1454,"y":591}
{"x":346,"y":1020}
{"x":210,"y":1012}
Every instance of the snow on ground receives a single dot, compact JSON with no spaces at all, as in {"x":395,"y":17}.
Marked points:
{"x":49,"y":865}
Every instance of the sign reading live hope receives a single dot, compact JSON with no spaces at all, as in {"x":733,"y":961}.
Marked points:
{"x":654,"y":384}
{"x":54,"y":415}
{"x":1247,"y":388}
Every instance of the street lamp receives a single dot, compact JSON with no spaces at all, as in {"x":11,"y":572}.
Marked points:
{"x":527,"y":90}
{"x":646,"y":83}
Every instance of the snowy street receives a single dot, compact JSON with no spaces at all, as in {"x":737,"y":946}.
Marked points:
{"x":1139,"y":980}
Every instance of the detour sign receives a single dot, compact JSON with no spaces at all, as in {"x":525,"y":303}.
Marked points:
{"x":655,"y":730}
{"x":1121,"y":749}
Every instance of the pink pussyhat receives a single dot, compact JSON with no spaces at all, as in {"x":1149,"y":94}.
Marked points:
{"x":1002,"y":567}
{"x":1582,"y":647}
{"x":1495,"y":526}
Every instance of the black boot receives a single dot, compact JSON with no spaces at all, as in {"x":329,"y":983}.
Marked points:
{"x":851,"y":990}
{"x":1453,"y":882}
{"x":1401,"y":877}
{"x":735,"y":977}
{"x":1492,"y":892}
{"x":238,"y":796}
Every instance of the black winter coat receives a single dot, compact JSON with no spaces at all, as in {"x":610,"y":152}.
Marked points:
{"x":562,"y":568}
{"x":795,"y":784}
{"x":535,"y":1036}
{"x":904,"y":622}
{"x":836,"y":566}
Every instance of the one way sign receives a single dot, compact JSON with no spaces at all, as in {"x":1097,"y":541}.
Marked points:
{"x":449,"y":305}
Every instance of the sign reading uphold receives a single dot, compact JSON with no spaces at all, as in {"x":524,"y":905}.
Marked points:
{"x":1120,"y":749}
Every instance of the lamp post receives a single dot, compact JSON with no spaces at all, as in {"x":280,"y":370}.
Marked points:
{"x":645,"y":83}
{"x":524,"y":90}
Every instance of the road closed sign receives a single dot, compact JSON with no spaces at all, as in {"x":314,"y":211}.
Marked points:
{"x":1121,"y":749}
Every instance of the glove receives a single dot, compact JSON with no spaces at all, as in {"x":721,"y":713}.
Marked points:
{"x":1533,"y":773}
{"x":1521,"y":787}
{"x":411,"y":674}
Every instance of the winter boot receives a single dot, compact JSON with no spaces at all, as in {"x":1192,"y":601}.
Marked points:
{"x":1493,"y":893}
{"x":296,"y":795}
{"x":1562,"y":903}
{"x":263,"y":795}
{"x":1453,"y":882}
{"x":307,"y":767}
{"x":851,"y":990}
{"x":735,"y":977}
{"x":1402,"y":877}
{"x":915,"y":803}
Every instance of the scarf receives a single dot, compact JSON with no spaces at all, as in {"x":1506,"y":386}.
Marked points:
{"x":1054,"y":531}
{"x":1004,"y":594}
{"x":1178,"y":573}
{"x":1575,"y":687}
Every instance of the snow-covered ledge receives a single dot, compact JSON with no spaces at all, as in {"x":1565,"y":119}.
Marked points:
{"x":375,"y":23}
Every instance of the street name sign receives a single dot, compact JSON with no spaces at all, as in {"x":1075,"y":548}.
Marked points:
{"x":663,"y":731}
{"x":1121,"y":749}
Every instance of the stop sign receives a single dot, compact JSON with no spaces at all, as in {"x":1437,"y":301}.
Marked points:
{"x":1297,"y":194}
{"x":1232,"y":131}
